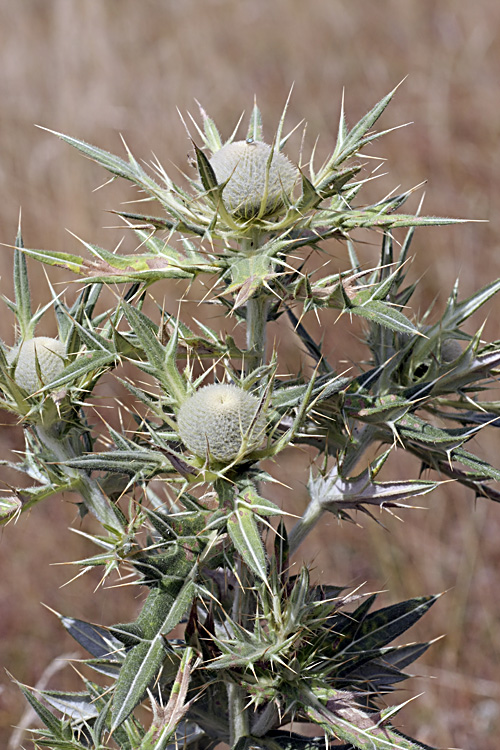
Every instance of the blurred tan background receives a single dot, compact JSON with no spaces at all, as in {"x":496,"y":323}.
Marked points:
{"x":98,"y":68}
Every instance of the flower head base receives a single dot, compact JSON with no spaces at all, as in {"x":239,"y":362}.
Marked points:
{"x":259,"y":178}
{"x":39,"y":360}
{"x":222,"y":421}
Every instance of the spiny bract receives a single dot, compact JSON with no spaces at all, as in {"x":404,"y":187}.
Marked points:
{"x":219,"y":420}
{"x":39,"y":360}
{"x":257,"y":184}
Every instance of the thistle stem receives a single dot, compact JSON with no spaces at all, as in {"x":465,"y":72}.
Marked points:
{"x":267,"y":720}
{"x":310,"y":518}
{"x":355,"y":452}
{"x":257,"y":309}
{"x":238,"y":715}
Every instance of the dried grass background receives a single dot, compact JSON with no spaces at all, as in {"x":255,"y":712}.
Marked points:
{"x":95,"y":69}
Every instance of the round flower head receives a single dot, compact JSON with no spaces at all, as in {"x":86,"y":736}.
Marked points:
{"x":219,"y":420}
{"x":39,"y":360}
{"x":253,"y":178}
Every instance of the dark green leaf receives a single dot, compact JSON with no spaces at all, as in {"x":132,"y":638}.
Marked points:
{"x":147,"y":334}
{"x":60,"y":729}
{"x":380,"y":628}
{"x":108,"y":667}
{"x":163,"y":610}
{"x":96,"y":640}
{"x":159,"y":246}
{"x":335,"y":182}
{"x":205,"y":170}
{"x":309,"y":198}
{"x":384,"y":672}
{"x":138,"y":463}
{"x":385,"y":315}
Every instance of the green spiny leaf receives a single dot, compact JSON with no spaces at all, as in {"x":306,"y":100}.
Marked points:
{"x":96,"y":640}
{"x":243,"y":530}
{"x":22,"y":289}
{"x":205,"y":170}
{"x":385,"y":315}
{"x":380,"y":628}
{"x":129,"y":170}
{"x":255,"y":131}
{"x":165,"y":720}
{"x":248,"y":275}
{"x":346,"y":720}
{"x":140,"y":668}
{"x":309,"y":198}
{"x":212,"y":139}
{"x":249,"y":498}
{"x":370,"y":218}
{"x":348,"y":143}
{"x":60,"y":729}
{"x":75,"y":706}
{"x":142,"y":664}
{"x":10,"y":507}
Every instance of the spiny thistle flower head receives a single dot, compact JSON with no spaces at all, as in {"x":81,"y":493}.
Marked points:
{"x":259,"y":178}
{"x":221,"y":420}
{"x":39,"y":360}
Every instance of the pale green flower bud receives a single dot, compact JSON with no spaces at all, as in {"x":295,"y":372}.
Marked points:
{"x":450,"y":350}
{"x":221,"y":420}
{"x":39,"y":360}
{"x":245,"y":165}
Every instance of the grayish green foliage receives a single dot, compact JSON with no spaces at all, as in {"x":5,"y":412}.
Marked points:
{"x":258,"y":648}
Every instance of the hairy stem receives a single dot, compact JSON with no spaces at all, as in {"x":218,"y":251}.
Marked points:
{"x":256,"y":322}
{"x":265,"y":721}
{"x":310,"y":518}
{"x":358,"y":447}
{"x":238,"y":716}
{"x":257,"y":308}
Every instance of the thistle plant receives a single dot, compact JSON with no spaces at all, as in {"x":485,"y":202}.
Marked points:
{"x":185,"y":501}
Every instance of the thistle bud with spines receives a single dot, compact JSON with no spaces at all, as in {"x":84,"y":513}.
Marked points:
{"x":221,"y":421}
{"x":38,"y":361}
{"x":259,"y":179}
